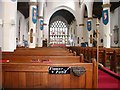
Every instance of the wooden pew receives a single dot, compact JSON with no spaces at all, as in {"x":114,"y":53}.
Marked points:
{"x":38,"y":59}
{"x":40,"y":52}
{"x":109,"y":56}
{"x":115,"y":61}
{"x":36,"y":75}
{"x":76,"y":49}
{"x":108,"y":53}
{"x":41,"y":48}
{"x":45,"y":53}
{"x":101,"y":54}
{"x":88,"y":52}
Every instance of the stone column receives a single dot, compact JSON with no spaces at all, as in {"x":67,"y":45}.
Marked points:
{"x":32,"y":23}
{"x":89,"y":5}
{"x":119,"y":26}
{"x":41,"y":22}
{"x":1,"y":23}
{"x":1,"y":29}
{"x":9,"y":25}
{"x":81,"y":25}
{"x":106,"y":24}
{"x":90,"y":32}
{"x":81,"y":35}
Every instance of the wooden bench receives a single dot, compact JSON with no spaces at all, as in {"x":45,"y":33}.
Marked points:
{"x":38,"y":59}
{"x":40,"y":52}
{"x":76,"y":49}
{"x":45,"y":53}
{"x":106,"y":55}
{"x":115,"y":61}
{"x":88,"y":52}
{"x":41,"y":48}
{"x":36,"y":75}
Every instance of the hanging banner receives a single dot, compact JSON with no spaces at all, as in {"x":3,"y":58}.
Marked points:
{"x":34,"y":15}
{"x":89,"y":26}
{"x":105,"y":17}
{"x":41,"y":24}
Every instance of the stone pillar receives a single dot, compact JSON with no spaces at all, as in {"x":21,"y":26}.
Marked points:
{"x":119,"y":26}
{"x":106,"y":24}
{"x":81,"y":25}
{"x":32,"y":23}
{"x":81,"y":35}
{"x":9,"y":25}
{"x":41,"y":22}
{"x":1,"y":29}
{"x":1,"y":22}
{"x":89,"y":5}
{"x":90,"y":32}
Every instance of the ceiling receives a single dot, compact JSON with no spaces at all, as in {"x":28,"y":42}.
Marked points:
{"x":23,"y":7}
{"x":97,"y":8}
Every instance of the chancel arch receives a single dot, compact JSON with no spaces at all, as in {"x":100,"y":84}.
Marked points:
{"x":62,"y":30}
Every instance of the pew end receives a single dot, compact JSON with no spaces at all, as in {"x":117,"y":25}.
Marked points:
{"x":36,"y":75}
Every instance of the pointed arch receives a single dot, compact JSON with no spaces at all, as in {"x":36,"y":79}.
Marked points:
{"x":65,"y":8}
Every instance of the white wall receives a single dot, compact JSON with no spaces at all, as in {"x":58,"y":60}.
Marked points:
{"x":9,"y":27}
{"x":52,"y":7}
{"x":114,"y":19}
{"x":85,"y":31}
{"x":101,"y":35}
{"x":119,"y":23}
{"x":1,"y":19}
{"x":72,"y":7}
{"x":73,"y":34}
{"x":1,"y":9}
{"x":23,"y":27}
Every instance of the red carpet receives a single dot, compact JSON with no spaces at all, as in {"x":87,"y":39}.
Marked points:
{"x":106,"y":80}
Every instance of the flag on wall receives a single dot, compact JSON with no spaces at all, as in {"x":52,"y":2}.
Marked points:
{"x":34,"y":15}
{"x":41,"y":24}
{"x":89,"y":26}
{"x":105,"y":17}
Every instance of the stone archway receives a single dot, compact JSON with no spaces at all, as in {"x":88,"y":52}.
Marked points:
{"x":59,"y":27}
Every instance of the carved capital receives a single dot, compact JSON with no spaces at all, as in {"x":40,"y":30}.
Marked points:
{"x":97,"y":24}
{"x":90,"y":18}
{"x":106,"y":5}
{"x":33,"y":3}
{"x":81,"y":24}
{"x":40,"y":17}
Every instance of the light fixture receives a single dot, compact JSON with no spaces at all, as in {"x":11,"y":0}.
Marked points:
{"x":1,"y":22}
{"x":12,"y":22}
{"x":116,"y":34}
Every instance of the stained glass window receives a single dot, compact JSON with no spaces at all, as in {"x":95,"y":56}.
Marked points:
{"x":58,"y":32}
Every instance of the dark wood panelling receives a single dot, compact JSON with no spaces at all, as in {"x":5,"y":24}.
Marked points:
{"x":31,"y":76}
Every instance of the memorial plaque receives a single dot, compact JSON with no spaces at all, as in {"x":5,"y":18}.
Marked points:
{"x":59,"y":70}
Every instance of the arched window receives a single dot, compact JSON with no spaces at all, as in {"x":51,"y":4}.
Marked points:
{"x":58,"y":32}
